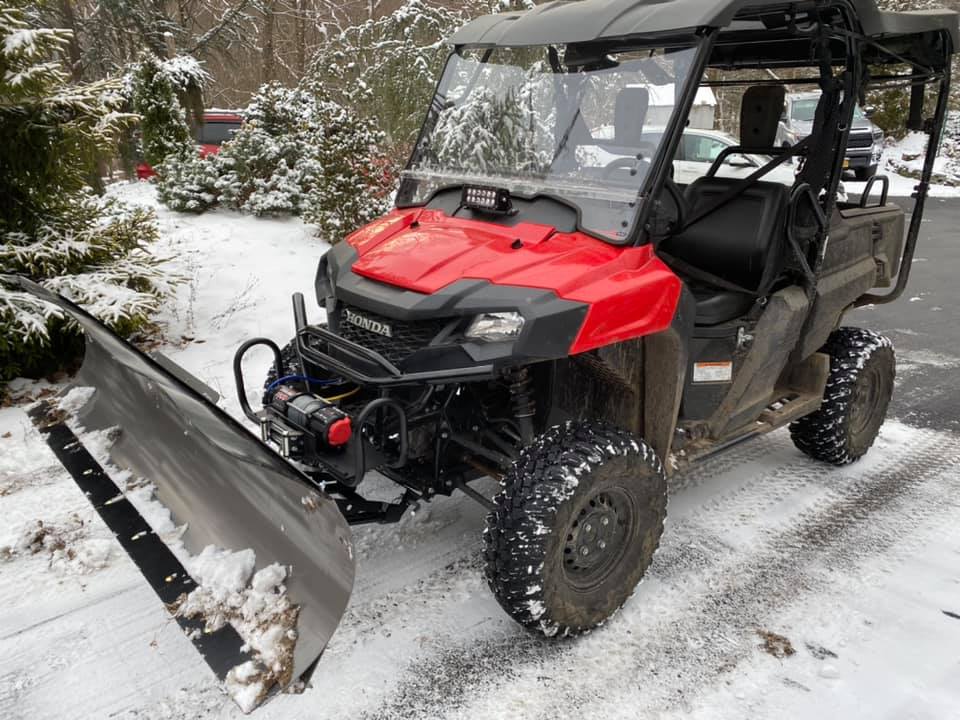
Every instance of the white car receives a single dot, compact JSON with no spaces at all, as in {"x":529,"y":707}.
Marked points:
{"x":698,"y":149}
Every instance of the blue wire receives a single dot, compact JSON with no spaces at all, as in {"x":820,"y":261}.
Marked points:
{"x":304,"y":378}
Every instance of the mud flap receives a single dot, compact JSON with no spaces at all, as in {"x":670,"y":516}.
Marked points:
{"x":227,"y":487}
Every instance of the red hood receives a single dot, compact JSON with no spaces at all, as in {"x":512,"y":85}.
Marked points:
{"x":629,"y":290}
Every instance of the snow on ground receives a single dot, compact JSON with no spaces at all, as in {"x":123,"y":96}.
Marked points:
{"x":782,"y":588}
{"x":908,"y":155}
{"x":240,"y":274}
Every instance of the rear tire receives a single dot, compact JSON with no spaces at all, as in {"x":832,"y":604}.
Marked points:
{"x":855,"y":401}
{"x":578,"y":487}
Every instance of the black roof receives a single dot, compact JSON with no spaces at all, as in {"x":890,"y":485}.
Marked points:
{"x":592,"y":20}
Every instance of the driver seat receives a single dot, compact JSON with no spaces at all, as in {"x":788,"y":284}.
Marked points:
{"x":741,"y":242}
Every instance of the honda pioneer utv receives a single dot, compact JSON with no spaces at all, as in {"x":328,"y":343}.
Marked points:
{"x":547,"y":307}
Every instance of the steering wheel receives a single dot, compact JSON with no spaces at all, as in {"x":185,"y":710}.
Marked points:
{"x":669,"y":185}
{"x":678,"y":200}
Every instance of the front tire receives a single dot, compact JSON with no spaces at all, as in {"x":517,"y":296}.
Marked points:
{"x":866,"y":173}
{"x":575,"y":527}
{"x":855,"y":401}
{"x":291,"y":367}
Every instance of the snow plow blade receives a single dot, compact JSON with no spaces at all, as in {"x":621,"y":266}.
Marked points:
{"x":216,"y":478}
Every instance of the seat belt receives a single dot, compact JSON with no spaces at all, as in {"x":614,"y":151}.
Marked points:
{"x":747,"y":182}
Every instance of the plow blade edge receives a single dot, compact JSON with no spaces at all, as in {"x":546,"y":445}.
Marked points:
{"x":215,"y":477}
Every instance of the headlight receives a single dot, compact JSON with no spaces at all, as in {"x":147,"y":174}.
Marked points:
{"x":495,"y":327}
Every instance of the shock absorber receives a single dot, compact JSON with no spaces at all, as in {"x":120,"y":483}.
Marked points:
{"x":524,"y":407}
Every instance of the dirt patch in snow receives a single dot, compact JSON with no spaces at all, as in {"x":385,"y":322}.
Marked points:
{"x":820,"y":652}
{"x":776,"y":645}
{"x":64,"y":543}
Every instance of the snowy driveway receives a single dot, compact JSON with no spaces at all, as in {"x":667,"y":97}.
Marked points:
{"x":848,"y":578}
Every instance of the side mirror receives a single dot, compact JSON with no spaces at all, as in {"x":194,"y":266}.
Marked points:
{"x":868,"y":110}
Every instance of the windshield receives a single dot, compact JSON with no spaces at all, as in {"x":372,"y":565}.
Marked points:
{"x":524,"y":120}
{"x":217,"y":132}
{"x":804,"y":110}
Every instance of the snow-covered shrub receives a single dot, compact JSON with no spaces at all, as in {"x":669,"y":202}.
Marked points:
{"x":188,"y":79}
{"x":52,"y":132}
{"x":95,"y":255}
{"x":267,"y":166}
{"x":163,"y":123}
{"x":52,"y":229}
{"x":489,"y":133}
{"x":352,"y":181}
{"x":188,"y":182}
{"x":297,"y":152}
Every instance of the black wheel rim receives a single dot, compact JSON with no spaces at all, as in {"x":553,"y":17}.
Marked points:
{"x":598,"y":537}
{"x":865,"y":402}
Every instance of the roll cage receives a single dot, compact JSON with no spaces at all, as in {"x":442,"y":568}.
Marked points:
{"x":850,"y":46}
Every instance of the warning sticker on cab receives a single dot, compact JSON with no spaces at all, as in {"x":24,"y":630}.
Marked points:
{"x":704,"y":372}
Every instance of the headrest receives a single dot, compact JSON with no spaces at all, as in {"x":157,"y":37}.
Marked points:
{"x":760,"y":112}
{"x":629,"y":116}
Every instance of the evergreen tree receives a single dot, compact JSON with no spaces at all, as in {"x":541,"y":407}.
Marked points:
{"x":163,"y":123}
{"x":492,"y":133}
{"x":386,"y":69}
{"x":52,"y":228}
{"x":297,"y":152}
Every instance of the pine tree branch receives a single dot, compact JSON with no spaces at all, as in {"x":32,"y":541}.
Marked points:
{"x":226,"y":21}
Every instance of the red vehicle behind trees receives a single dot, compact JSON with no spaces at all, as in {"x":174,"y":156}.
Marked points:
{"x":218,"y":127}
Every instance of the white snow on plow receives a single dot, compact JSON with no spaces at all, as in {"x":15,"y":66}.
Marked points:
{"x":230,"y":590}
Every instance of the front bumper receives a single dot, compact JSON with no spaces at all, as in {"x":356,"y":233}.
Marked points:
{"x":860,"y":160}
{"x":363,"y":366}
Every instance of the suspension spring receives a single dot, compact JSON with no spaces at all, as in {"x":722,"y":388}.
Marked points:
{"x":524,"y":407}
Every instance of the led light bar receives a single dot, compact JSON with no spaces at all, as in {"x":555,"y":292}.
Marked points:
{"x":487,"y":199}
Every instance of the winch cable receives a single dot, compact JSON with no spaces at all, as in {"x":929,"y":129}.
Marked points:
{"x":300,"y":378}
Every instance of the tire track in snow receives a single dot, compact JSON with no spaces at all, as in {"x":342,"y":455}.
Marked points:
{"x":704,"y":627}
{"x":734,"y":488}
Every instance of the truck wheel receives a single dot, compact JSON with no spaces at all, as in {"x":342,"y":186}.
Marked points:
{"x":855,"y":401}
{"x":575,"y":527}
{"x":865,"y":173}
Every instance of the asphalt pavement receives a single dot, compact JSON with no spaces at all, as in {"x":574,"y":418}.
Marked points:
{"x":924,"y":323}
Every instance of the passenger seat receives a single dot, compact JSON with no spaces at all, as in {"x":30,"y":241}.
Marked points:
{"x":742,"y":242}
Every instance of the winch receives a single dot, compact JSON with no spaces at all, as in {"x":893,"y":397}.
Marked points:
{"x":294,"y":418}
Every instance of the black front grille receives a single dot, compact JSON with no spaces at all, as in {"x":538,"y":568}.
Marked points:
{"x":405,"y":337}
{"x":860,"y":141}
